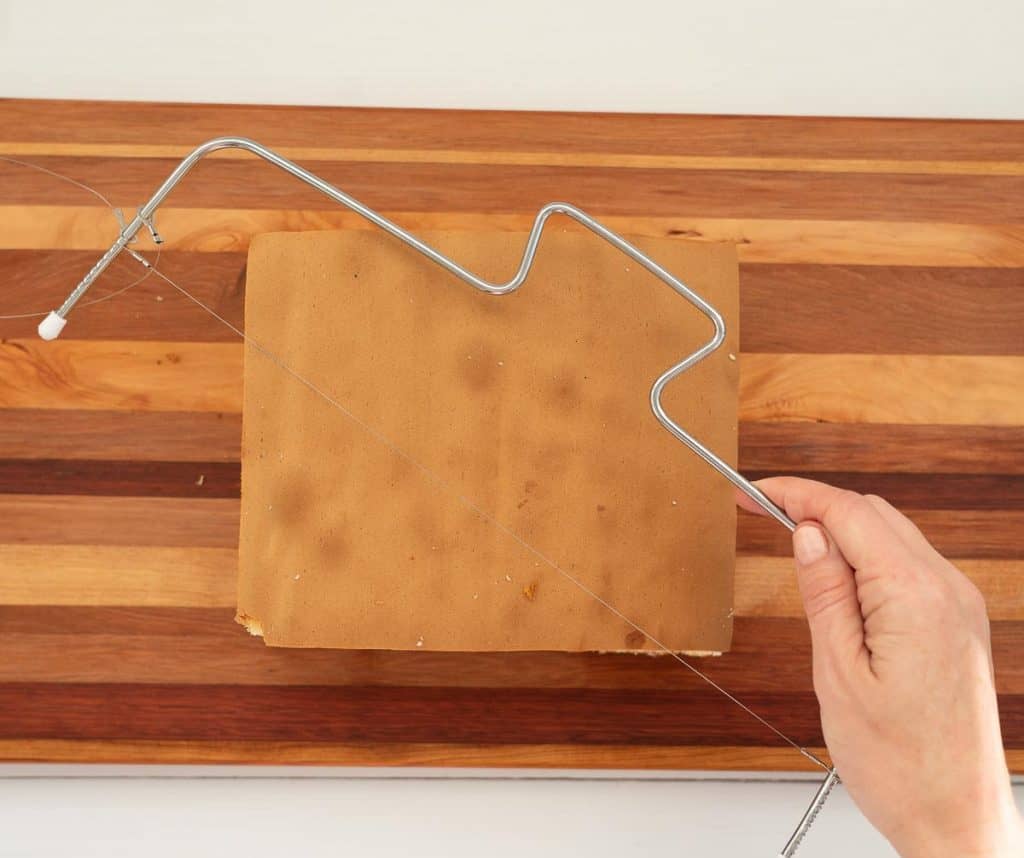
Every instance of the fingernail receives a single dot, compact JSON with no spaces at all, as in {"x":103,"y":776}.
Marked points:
{"x":809,"y":545}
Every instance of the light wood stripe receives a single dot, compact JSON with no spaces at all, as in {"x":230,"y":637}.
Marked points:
{"x":119,"y":521}
{"x":725,"y":758}
{"x":121,"y":376}
{"x":766,"y":586}
{"x":187,"y":577}
{"x":925,"y":389}
{"x":144,"y":576}
{"x":205,"y":377}
{"x":775,"y":241}
{"x":529,"y":159}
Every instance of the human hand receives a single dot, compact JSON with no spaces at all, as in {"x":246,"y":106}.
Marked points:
{"x":902,"y":666}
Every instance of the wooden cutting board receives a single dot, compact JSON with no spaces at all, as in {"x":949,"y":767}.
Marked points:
{"x":882,"y":287}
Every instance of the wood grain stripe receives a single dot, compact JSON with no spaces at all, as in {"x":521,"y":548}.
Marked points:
{"x":150,"y":576}
{"x":175,"y":436}
{"x":621,"y":160}
{"x":108,"y":647}
{"x":769,"y":655}
{"x":511,"y":131}
{"x":125,"y":375}
{"x":784,"y":308}
{"x":772,"y":241}
{"x":923,"y":491}
{"x":176,"y":376}
{"x":932,"y":389}
{"x":100,"y":575}
{"x":769,"y":447}
{"x":954,"y":533}
{"x":78,"y":520}
{"x":569,"y":756}
{"x":114,"y":478}
{"x":120,"y":478}
{"x":884,"y":309}
{"x":493,"y":188}
{"x":801,"y":447}
{"x":396,"y":714}
{"x":765,"y":586}
{"x":85,"y":520}
{"x":37,"y":281}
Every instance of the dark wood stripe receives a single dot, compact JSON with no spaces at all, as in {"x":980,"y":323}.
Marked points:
{"x":39,"y":280}
{"x":120,"y":478}
{"x":927,"y":491}
{"x":784,"y":308}
{"x":75,"y":620}
{"x":883,"y":309}
{"x":954,"y":533}
{"x":71,"y":519}
{"x":523,"y":131}
{"x":223,"y":480}
{"x":149,"y":643}
{"x":395,"y":714}
{"x":781,"y":448}
{"x":194,"y":645}
{"x":189,"y":645}
{"x":485,"y":188}
{"x":771,"y":448}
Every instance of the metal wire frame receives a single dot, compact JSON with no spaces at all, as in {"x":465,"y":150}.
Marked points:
{"x":144,"y":218}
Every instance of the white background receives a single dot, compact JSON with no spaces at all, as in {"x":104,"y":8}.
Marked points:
{"x":856,"y":57}
{"x":862,"y":57}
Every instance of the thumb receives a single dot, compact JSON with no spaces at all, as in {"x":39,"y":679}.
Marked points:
{"x":829,"y":592}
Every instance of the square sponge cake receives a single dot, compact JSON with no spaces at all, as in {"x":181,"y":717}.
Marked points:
{"x":426,"y":466}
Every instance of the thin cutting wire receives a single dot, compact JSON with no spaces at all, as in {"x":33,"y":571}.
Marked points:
{"x":144,"y":217}
{"x":434,"y":477}
{"x":448,"y":488}
{"x":151,"y":267}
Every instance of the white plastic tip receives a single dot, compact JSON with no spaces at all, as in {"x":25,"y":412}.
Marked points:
{"x":51,"y":326}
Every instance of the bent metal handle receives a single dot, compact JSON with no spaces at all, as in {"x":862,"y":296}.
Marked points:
{"x":54,"y":323}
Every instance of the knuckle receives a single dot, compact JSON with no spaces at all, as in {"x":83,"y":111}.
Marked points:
{"x":822,"y":594}
{"x":974,"y":602}
{"x":852,"y":506}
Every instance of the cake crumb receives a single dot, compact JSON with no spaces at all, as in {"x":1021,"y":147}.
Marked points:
{"x":201,"y":480}
{"x":419,"y":641}
{"x":508,"y":578}
{"x":530,"y":591}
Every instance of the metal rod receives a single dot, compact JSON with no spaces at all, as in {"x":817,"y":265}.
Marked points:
{"x":52,"y":326}
{"x":831,"y":779}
